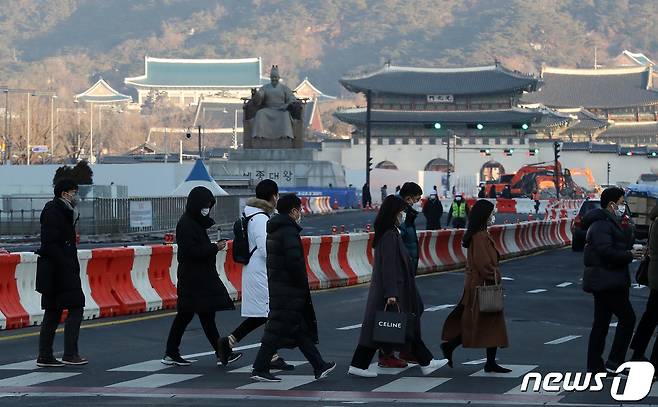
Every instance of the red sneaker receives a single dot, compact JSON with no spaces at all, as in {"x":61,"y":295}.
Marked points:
{"x":408,"y":357}
{"x":391,"y":362}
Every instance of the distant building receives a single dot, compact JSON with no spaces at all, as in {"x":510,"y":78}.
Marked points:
{"x":628,"y":58}
{"x":185,"y":81}
{"x":312,"y":115}
{"x":614,"y":95}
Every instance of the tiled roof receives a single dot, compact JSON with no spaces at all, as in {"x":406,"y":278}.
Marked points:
{"x":586,"y":120}
{"x":199,"y":73}
{"x":357,"y":116}
{"x":441,"y":81}
{"x":594,"y":88}
{"x":636,"y":129}
{"x":102,"y":92}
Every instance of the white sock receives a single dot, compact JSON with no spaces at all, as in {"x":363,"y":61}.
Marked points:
{"x":275,"y":357}
{"x":232,"y":341}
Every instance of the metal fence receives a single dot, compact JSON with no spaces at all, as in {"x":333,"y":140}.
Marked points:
{"x":112,"y":216}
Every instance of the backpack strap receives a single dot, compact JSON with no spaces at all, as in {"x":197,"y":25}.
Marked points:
{"x":246,"y":224}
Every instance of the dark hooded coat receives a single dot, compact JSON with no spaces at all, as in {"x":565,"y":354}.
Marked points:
{"x":653,"y":249}
{"x":199,"y":289}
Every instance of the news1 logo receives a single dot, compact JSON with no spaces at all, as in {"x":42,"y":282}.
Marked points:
{"x":638,"y":382}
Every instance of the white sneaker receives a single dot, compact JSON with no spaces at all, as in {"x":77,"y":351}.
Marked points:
{"x":355,"y":371}
{"x":434,"y":365}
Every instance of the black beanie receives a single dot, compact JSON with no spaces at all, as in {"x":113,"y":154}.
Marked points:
{"x":611,"y":194}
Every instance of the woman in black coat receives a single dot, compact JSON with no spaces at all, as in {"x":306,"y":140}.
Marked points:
{"x":200,"y":290}
{"x":291,"y":322}
{"x":393,"y":285}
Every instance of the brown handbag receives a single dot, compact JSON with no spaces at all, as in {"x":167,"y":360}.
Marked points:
{"x":490,"y":297}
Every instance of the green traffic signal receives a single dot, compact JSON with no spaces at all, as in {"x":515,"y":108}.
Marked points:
{"x":437,"y":125}
{"x":479,"y":126}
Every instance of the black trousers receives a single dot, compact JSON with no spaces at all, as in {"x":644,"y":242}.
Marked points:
{"x":363,"y":355}
{"x":459,"y":223}
{"x":181,"y":321}
{"x":607,"y":304}
{"x":646,"y":328}
{"x":248,"y":326}
{"x":306,"y":346}
{"x":51,"y":318}
{"x":457,"y":341}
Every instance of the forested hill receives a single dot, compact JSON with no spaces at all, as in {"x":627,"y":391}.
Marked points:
{"x":69,"y":42}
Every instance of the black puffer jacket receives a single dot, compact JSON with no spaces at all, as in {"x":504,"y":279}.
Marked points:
{"x":58,"y":269}
{"x":199,"y":287}
{"x":291,"y":309}
{"x":607,"y":253}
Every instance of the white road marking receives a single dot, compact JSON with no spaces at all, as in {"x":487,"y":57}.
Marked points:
{"x":517,"y":390}
{"x":148,"y":366}
{"x":507,"y":279}
{"x":563,"y":340}
{"x":565,"y":284}
{"x":27,"y":365}
{"x":517,"y":371}
{"x":248,"y":368}
{"x":412,"y":384}
{"x":387,"y":370}
{"x":439,"y":307}
{"x":287,"y":382}
{"x":537,"y":291}
{"x":475,"y":362}
{"x":239,"y":348}
{"x":349,"y":327}
{"x":30,"y":379}
{"x":614,"y":324}
{"x":156,"y":380}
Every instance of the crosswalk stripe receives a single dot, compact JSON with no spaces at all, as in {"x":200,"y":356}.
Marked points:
{"x":287,"y":382}
{"x":387,"y":370}
{"x":475,"y":362}
{"x":439,"y":307}
{"x":537,"y":291}
{"x":412,"y":384}
{"x":507,"y":279}
{"x":156,"y":380}
{"x":563,"y":340}
{"x":247,"y":369}
{"x":212,"y":352}
{"x":517,"y":391}
{"x":148,"y":366}
{"x":565,"y":284}
{"x":517,"y":371}
{"x":349,"y":327}
{"x":30,"y":379}
{"x":27,"y":365}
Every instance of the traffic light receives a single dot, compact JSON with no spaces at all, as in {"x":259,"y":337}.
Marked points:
{"x":509,"y":152}
{"x":629,"y":153}
{"x":437,"y":126}
{"x":533,"y":152}
{"x":369,"y":163}
{"x":652,"y":154}
{"x":556,"y":150}
{"x":521,"y":126}
{"x":608,"y":167}
{"x":478,"y":126}
{"x":485,"y":152}
{"x":433,"y":126}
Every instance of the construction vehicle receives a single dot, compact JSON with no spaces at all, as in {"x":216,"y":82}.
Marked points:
{"x":540,"y":177}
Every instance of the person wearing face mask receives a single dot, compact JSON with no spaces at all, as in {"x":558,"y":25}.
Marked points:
{"x":58,"y":276}
{"x":467,"y":325}
{"x":458,"y":213}
{"x":255,"y":298}
{"x":433,"y":211}
{"x":200,"y":290}
{"x":291,"y":322}
{"x":607,"y":255}
{"x":393,"y":284}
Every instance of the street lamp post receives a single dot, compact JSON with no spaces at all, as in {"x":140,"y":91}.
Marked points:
{"x":28,"y":128}
{"x":52,"y":128}
{"x":200,"y":151}
{"x":5,"y":155}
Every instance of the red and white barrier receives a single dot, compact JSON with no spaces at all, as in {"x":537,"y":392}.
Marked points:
{"x":120,"y":281}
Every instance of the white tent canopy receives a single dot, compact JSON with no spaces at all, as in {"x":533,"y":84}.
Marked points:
{"x":199,"y":176}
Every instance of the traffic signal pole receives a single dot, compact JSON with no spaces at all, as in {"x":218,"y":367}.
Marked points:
{"x":368,"y":125}
{"x":556,"y":153}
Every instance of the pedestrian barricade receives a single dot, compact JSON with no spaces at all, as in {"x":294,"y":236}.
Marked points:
{"x":506,"y":205}
{"x":118,"y":281}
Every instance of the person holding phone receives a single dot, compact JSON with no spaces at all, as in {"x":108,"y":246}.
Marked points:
{"x":200,"y":290}
{"x":393,"y":283}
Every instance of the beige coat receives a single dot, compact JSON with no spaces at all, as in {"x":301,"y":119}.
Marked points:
{"x":478,"y":330}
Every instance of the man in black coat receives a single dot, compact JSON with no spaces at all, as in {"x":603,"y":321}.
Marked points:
{"x":433,"y":211}
{"x":607,"y":256}
{"x":200,"y":290}
{"x":58,"y":276}
{"x":366,"y":197}
{"x":291,"y":322}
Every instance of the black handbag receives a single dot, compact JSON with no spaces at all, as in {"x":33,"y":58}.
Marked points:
{"x":642,"y":273}
{"x":394,"y":328}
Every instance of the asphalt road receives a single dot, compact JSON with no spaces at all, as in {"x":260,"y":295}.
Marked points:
{"x":548,"y":319}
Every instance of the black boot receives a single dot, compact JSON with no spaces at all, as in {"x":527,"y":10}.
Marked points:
{"x":491,"y":366}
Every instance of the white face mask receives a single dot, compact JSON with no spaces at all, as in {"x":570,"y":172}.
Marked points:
{"x":401,"y":218}
{"x":492,"y":220}
{"x":205,"y":211}
{"x":621,"y":210}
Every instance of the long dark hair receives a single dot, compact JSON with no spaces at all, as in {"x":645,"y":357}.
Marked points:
{"x":477,"y":220}
{"x":387,"y":216}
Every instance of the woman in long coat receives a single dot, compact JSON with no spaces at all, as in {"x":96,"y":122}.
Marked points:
{"x":466,"y":325}
{"x":393,"y":284}
{"x":200,"y":290}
